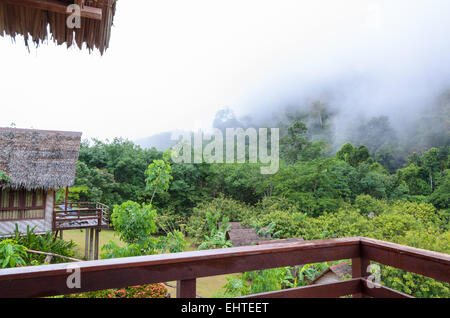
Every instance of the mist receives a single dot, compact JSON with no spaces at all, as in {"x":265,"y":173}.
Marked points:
{"x":382,"y":58}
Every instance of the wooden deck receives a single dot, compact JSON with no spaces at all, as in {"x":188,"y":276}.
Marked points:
{"x":186,"y":267}
{"x":80,"y":215}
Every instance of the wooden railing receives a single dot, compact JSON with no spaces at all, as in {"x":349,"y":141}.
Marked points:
{"x":86,"y":214}
{"x":186,"y":267}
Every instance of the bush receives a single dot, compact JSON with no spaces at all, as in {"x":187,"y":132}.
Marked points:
{"x":134,"y":222}
{"x":369,"y":206}
{"x":285,"y":223}
{"x":44,"y":243}
{"x":219,"y":208}
{"x":142,"y":291}
{"x":422,"y":211}
{"x":12,"y":254}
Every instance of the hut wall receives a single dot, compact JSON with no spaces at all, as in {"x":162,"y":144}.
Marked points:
{"x":42,"y":225}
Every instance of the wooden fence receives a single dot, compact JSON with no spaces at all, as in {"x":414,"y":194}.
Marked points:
{"x":186,"y":267}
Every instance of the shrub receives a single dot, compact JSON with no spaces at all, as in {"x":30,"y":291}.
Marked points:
{"x":44,"y":243}
{"x":134,"y":222}
{"x":12,"y":254}
{"x":286,"y":224}
{"x":219,"y":208}
{"x":369,"y":205}
{"x":141,"y":291}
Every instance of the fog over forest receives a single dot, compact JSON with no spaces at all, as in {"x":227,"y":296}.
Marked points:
{"x":370,"y":65}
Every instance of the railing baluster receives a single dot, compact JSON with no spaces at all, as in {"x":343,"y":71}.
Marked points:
{"x":359,"y":270}
{"x":187,"y":288}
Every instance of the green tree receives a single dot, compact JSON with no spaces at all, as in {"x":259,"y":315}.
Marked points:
{"x":134,"y":222}
{"x":159,"y":175}
{"x":295,"y":145}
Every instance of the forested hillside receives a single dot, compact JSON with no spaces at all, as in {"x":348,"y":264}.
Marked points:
{"x":381,"y":182}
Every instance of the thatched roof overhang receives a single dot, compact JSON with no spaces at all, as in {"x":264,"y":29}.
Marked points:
{"x":38,"y":159}
{"x":241,"y":236}
{"x":39,"y":20}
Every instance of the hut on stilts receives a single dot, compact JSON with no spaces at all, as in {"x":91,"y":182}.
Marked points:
{"x":37,"y":163}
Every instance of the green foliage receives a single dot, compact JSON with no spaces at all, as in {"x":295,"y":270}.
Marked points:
{"x":101,"y":185}
{"x":218,"y":209}
{"x":314,"y":186}
{"x":268,"y":232}
{"x":414,"y":284}
{"x":43,"y":243}
{"x":403,"y":222}
{"x":173,"y":242}
{"x":242,"y":182}
{"x":113,"y":171}
{"x":283,"y":223}
{"x":272,"y":279}
{"x":371,"y":189}
{"x":353,"y":156}
{"x":76,"y":194}
{"x":381,"y":140}
{"x":216,"y":238}
{"x":158,"y":176}
{"x":12,"y":254}
{"x":188,"y":187}
{"x":369,"y":206}
{"x":134,"y":222}
{"x":295,"y":145}
{"x":441,"y":196}
{"x":414,"y":178}
{"x":113,"y":250}
{"x":4,"y":176}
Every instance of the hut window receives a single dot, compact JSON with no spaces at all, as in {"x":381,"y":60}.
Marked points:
{"x":21,"y":204}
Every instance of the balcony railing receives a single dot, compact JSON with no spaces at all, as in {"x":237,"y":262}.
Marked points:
{"x":186,"y":267}
{"x":79,"y":215}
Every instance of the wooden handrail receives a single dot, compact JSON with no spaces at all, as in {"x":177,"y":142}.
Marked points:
{"x":186,"y":267}
{"x":80,"y":211}
{"x":428,"y":263}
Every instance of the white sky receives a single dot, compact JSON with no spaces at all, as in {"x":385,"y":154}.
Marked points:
{"x":173,"y":64}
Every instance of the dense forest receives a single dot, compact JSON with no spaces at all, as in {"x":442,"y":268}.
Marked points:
{"x":381,"y":182}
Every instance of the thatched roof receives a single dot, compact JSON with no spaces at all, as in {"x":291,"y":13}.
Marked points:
{"x":39,"y":20}
{"x":240,"y":236}
{"x":38,"y":159}
{"x":335,"y":273}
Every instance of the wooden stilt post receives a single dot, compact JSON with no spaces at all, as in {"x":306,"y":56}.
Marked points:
{"x":97,"y":234}
{"x":91,"y":243}
{"x":66,"y":201}
{"x":61,"y":234}
{"x":86,"y":246}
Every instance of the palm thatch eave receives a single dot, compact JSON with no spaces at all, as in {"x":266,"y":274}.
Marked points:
{"x":38,"y":159}
{"x":38,"y":25}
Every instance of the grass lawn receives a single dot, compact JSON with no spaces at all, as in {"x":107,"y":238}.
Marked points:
{"x":78,"y":236}
{"x":206,"y":286}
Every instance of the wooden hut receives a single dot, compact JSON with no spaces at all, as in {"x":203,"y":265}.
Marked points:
{"x":333,"y":274}
{"x":40,"y":20}
{"x":37,"y":163}
{"x":241,"y":236}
